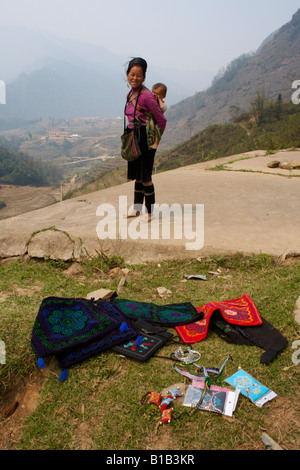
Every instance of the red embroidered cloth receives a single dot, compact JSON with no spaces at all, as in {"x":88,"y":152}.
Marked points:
{"x":241,"y":311}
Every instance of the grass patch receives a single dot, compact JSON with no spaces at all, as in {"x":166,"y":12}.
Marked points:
{"x":98,"y":407}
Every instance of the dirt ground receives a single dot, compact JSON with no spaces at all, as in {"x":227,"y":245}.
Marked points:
{"x":18,"y":403}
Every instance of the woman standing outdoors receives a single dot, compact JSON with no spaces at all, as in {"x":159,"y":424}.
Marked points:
{"x":141,"y":101}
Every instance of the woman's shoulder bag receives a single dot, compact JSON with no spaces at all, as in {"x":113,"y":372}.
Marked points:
{"x":130,"y":148}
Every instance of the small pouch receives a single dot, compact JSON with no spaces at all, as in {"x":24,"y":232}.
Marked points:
{"x":150,"y":338}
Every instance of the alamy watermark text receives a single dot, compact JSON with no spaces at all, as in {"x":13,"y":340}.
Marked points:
{"x":296,"y":94}
{"x":168,"y":222}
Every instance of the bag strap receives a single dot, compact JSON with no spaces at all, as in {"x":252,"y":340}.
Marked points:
{"x":135,"y":105}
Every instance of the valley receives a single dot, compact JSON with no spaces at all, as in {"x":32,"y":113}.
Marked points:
{"x":82,"y":150}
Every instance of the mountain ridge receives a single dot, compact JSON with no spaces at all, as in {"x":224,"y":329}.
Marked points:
{"x":101,"y":71}
{"x":272,"y":68}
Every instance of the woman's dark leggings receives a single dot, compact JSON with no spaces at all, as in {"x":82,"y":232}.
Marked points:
{"x":144,"y":192}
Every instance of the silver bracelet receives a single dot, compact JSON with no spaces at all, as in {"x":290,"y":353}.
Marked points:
{"x":187,"y":358}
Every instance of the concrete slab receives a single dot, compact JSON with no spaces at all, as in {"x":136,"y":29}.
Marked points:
{"x":244,"y":211}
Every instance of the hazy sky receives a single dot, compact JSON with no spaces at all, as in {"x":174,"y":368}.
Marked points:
{"x":182,"y":34}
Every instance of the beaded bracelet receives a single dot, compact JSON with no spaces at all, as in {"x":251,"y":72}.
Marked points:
{"x":187,"y":358}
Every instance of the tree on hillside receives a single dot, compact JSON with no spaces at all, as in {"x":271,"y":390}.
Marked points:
{"x":279,"y":106}
{"x":258,"y":105}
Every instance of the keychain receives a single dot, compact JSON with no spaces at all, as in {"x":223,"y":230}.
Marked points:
{"x":155,"y":398}
{"x":163,"y":402}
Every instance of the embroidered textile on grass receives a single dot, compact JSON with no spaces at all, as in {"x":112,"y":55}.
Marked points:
{"x":167,"y":315}
{"x":150,"y":339}
{"x":239,"y":322}
{"x":75,"y":329}
{"x":241,"y":311}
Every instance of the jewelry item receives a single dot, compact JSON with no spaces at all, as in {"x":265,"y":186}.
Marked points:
{"x":187,"y":358}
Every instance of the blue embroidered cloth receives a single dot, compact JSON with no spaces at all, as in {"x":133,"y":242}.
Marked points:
{"x":75,"y":329}
{"x":164,"y":315}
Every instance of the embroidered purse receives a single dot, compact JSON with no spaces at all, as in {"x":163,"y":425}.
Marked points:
{"x":150,"y":338}
{"x":130,"y":149}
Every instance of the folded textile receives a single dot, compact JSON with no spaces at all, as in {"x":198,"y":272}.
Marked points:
{"x":265,"y":336}
{"x":164,"y":315}
{"x":150,"y":338}
{"x":240,"y":311}
{"x":239,"y":322}
{"x":75,"y":329}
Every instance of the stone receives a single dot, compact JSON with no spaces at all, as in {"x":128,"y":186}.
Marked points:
{"x":103,"y":294}
{"x":125,"y":271}
{"x":273,"y":164}
{"x":286,"y":166}
{"x":296,"y":353}
{"x":163,"y":292}
{"x":121,"y":284}
{"x":297,"y":311}
{"x":50,"y":243}
{"x":11,"y":245}
{"x":290,"y":254}
{"x":115,"y":272}
{"x":295,"y":164}
{"x":74,"y":270}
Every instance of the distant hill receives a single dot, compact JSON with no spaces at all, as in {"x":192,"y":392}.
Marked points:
{"x":62,"y":90}
{"x":272,"y":68}
{"x":50,"y":77}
